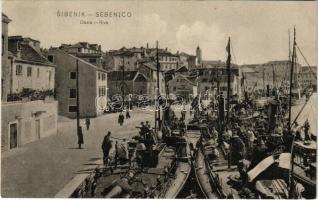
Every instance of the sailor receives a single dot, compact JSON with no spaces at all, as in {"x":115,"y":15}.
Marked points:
{"x":306,"y":130}
{"x":106,"y":146}
{"x":148,"y":125}
{"x":237,"y":148}
{"x":121,"y":119}
{"x":251,"y":139}
{"x":80,"y":137}
{"x":143,"y":130}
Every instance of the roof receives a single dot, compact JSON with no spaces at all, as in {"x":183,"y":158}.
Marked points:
{"x":28,"y":53}
{"x":248,"y":70}
{"x":118,"y":75}
{"x":182,"y":69}
{"x":5,"y":18}
{"x":151,"y":66}
{"x":189,"y":79}
{"x":79,"y":59}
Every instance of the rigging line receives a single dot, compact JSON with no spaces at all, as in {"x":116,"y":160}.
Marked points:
{"x":306,"y":61}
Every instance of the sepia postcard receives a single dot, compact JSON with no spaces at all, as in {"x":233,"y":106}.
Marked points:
{"x":159,"y":99}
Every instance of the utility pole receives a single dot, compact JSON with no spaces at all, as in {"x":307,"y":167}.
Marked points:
{"x":77,"y":99}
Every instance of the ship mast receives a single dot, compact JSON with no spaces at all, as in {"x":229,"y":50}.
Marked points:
{"x":228,"y":67}
{"x":293,"y":59}
{"x":157,"y":114}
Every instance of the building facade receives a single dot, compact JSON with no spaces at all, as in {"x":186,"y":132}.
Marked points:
{"x":183,"y":87}
{"x":92,"y":85}
{"x":30,"y":70}
{"x":150,"y":71}
{"x":28,"y":109}
{"x":91,"y":53}
{"x":5,"y":73}
{"x":126,"y":83}
{"x":308,"y":77}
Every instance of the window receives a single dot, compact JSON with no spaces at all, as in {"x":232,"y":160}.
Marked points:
{"x":103,"y":76}
{"x":72,"y":108}
{"x":19,"y":70}
{"x":50,"y":58}
{"x":29,"y":71}
{"x":92,"y":60}
{"x":38,"y":72}
{"x":72,"y":75}
{"x":98,"y":75}
{"x":72,"y":93}
{"x":174,"y":88}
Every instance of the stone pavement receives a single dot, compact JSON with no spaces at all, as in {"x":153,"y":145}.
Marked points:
{"x":42,"y":168}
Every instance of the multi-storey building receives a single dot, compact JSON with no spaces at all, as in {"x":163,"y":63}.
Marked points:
{"x":28,"y":109}
{"x":308,"y":77}
{"x":209,"y":78}
{"x":92,"y":91}
{"x":30,"y":70}
{"x":91,"y":53}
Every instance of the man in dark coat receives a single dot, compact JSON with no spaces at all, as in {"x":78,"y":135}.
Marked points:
{"x":106,"y":146}
{"x":80,"y":137}
{"x":121,"y":119}
{"x":87,"y":123}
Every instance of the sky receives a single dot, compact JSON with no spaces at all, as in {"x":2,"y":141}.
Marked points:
{"x":258,"y":30}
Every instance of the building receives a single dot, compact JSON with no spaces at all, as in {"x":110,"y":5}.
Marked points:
{"x":4,"y":59}
{"x":252,"y":79}
{"x":269,"y":75}
{"x":132,"y":57}
{"x":182,"y":86}
{"x":91,"y":53}
{"x":92,"y":85}
{"x":28,"y":108}
{"x":128,"y":57}
{"x":149,"y":69}
{"x":186,"y":60}
{"x":308,"y":77}
{"x":167,"y":60}
{"x":209,"y":78}
{"x":30,"y":70}
{"x":129,"y":82}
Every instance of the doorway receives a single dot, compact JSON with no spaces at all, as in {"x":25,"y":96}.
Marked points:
{"x":13,"y":135}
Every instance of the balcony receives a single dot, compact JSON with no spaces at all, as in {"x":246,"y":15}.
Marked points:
{"x":31,"y":95}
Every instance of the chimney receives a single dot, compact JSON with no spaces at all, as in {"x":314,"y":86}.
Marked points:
{"x":99,"y":48}
{"x":147,"y":45}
